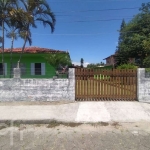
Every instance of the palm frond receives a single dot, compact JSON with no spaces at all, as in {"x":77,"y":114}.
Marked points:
{"x":12,"y":34}
{"x":26,"y":34}
{"x":46,"y":22}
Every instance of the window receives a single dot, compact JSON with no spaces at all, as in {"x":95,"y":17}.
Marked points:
{"x":5,"y":69}
{"x":1,"y":69}
{"x":37,"y":68}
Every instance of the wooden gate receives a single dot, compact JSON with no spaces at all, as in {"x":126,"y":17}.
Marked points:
{"x":101,"y":85}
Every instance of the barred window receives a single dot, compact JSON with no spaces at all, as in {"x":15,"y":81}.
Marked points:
{"x":37,"y":68}
{"x":1,"y":69}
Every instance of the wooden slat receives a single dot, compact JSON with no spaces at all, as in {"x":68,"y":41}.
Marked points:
{"x":109,"y":88}
{"x":105,"y":86}
{"x":128,"y":86}
{"x":115,"y":83}
{"x":112,"y":87}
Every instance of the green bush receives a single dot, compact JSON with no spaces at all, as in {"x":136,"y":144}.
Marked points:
{"x":147,"y":69}
{"x":127,"y":66}
{"x":146,"y":62}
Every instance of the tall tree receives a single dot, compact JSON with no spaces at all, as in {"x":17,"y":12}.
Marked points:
{"x":122,"y":34}
{"x":82,"y":62}
{"x":136,"y":42}
{"x":16,"y":23}
{"x":6,"y":7}
{"x":118,"y":57}
{"x":40,"y":11}
{"x":13,"y":35}
{"x":16,"y":26}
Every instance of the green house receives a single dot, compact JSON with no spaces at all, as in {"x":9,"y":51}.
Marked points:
{"x":33,"y":63}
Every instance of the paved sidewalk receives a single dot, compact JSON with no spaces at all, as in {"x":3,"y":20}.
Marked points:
{"x":83,"y":112}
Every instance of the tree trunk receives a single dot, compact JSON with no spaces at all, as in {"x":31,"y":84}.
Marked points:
{"x":25,"y":41}
{"x":12,"y":43}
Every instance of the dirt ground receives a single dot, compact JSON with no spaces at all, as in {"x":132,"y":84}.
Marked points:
{"x":63,"y":136}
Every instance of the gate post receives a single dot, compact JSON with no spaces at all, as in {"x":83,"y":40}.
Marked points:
{"x":17,"y":73}
{"x":71,"y":87}
{"x":143,"y":86}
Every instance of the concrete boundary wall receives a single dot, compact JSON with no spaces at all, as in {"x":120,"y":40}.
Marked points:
{"x":143,"y":86}
{"x":18,"y":89}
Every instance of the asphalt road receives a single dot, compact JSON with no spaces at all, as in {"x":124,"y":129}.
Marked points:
{"x":54,"y":136}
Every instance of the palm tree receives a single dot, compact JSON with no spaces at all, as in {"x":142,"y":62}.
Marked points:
{"x":6,"y":7}
{"x":39,"y":10}
{"x":16,"y":23}
{"x":13,"y":35}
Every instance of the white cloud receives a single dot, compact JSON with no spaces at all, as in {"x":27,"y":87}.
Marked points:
{"x":78,"y":63}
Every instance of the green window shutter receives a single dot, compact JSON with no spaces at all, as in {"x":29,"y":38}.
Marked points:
{"x":32,"y":69}
{"x":5,"y":68}
{"x":43,"y":68}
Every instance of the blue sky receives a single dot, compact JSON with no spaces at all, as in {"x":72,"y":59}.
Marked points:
{"x":86,"y":28}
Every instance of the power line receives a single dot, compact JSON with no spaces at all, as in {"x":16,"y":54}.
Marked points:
{"x":113,"y":9}
{"x":94,"y":1}
{"x":82,"y":21}
{"x":110,"y":9}
{"x":74,"y":1}
{"x":96,"y":20}
{"x":74,"y":34}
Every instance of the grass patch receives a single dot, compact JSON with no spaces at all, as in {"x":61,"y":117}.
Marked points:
{"x":104,"y":123}
{"x":54,"y":124}
{"x":100,"y":124}
{"x":71,"y":124}
{"x":3,"y":126}
{"x":115,"y":124}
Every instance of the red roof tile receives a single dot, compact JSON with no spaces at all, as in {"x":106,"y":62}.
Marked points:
{"x":34,"y":50}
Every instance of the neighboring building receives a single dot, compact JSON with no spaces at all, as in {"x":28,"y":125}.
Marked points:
{"x":110,"y":60}
{"x":33,"y":63}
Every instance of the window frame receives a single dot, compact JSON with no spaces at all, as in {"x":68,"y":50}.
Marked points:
{"x":43,"y":72}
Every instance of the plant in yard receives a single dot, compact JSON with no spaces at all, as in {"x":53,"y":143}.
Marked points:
{"x":127,"y":66}
{"x":146,"y":62}
{"x":58,"y":59}
{"x":147,"y":69}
